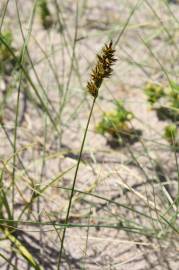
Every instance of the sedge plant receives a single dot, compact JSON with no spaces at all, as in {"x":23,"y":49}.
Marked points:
{"x":102,"y":70}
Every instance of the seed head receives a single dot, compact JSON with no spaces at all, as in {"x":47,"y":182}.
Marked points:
{"x":103,"y":69}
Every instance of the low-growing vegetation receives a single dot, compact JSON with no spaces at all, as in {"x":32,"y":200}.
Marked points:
{"x":118,"y":125}
{"x":89,"y":134}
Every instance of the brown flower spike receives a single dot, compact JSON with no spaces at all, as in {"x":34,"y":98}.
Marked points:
{"x":103,"y":69}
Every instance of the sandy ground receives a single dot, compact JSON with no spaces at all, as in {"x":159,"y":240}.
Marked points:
{"x":145,"y":51}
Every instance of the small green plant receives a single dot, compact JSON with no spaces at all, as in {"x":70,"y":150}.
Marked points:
{"x":174,"y":96}
{"x":45,"y":14}
{"x":4,"y":52}
{"x":164,"y":100}
{"x":7,"y":61}
{"x":5,"y":55}
{"x":114,"y":122}
{"x":171,"y":134}
{"x":154,"y":92}
{"x":118,"y":124}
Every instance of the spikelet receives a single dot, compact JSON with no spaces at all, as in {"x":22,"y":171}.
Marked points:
{"x":103,"y":69}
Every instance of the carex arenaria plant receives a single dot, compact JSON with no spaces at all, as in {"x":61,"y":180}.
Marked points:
{"x":102,"y":70}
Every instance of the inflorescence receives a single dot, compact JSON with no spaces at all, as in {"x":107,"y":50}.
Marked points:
{"x":103,"y":69}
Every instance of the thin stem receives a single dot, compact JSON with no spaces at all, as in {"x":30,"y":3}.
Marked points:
{"x":3,"y":15}
{"x":73,"y":185}
{"x":15,"y":143}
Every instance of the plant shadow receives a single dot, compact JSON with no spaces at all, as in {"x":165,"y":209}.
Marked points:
{"x":124,"y":138}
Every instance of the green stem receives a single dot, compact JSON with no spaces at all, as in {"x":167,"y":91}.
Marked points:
{"x":15,"y":144}
{"x":73,"y":185}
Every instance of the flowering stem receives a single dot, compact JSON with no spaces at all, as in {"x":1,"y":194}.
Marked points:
{"x":103,"y":69}
{"x":74,"y":182}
